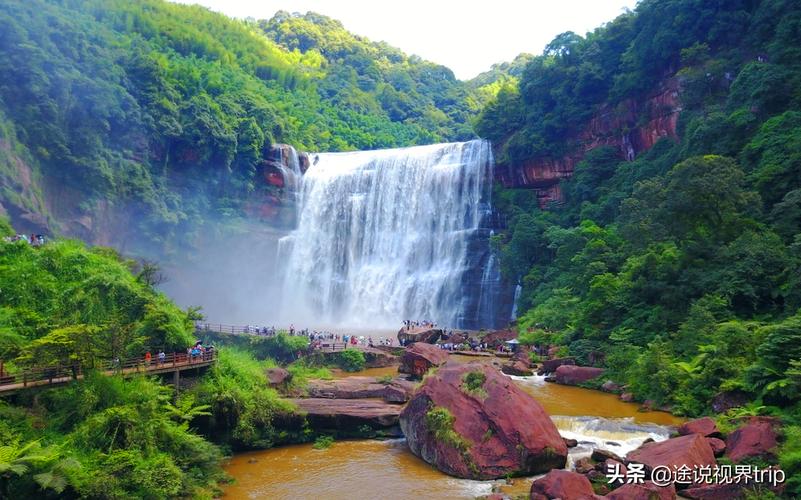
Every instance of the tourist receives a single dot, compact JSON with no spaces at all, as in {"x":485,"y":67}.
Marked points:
{"x":147,"y":358}
{"x":162,"y":356}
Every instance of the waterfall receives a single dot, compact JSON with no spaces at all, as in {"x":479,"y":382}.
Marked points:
{"x":518,"y":291}
{"x":393,"y":234}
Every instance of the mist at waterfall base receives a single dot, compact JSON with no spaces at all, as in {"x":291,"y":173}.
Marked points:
{"x":380,"y":236}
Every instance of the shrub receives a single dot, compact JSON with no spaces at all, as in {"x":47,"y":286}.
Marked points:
{"x":351,"y":360}
{"x":323,"y":442}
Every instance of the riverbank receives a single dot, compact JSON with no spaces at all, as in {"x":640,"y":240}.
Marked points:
{"x":387,"y":469}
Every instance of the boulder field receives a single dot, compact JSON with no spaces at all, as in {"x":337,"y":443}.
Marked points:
{"x":470,"y":421}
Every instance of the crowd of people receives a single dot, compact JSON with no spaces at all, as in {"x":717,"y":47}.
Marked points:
{"x":411,"y":325}
{"x":36,"y":240}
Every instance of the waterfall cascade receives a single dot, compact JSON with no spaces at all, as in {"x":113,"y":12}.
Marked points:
{"x":395,"y":234}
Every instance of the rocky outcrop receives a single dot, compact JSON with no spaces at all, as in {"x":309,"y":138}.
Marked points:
{"x":470,"y":421}
{"x":644,"y":491}
{"x":277,"y":377}
{"x":757,"y":438}
{"x":348,"y":414}
{"x":379,"y":358}
{"x":420,"y":357}
{"x":427,"y":335}
{"x":573,"y":375}
{"x":691,"y":451}
{"x":550,"y":365}
{"x":631,"y":127}
{"x":704,"y":426}
{"x":562,"y":484}
{"x":396,"y":391}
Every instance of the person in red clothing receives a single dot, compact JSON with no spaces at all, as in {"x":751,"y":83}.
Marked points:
{"x":147,"y":358}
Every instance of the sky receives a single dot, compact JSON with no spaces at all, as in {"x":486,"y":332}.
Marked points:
{"x":466,"y":38}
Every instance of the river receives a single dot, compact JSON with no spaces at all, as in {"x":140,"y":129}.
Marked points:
{"x":370,"y":469}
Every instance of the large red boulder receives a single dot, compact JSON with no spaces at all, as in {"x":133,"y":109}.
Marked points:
{"x":757,"y":438}
{"x":645,"y":491}
{"x":691,"y":451}
{"x":703,"y":426}
{"x":470,"y":421}
{"x":420,"y":357}
{"x":572,"y":374}
{"x":562,"y":484}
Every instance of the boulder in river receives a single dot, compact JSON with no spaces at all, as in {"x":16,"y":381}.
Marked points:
{"x":704,"y":426}
{"x":644,"y":491}
{"x":517,"y":368}
{"x":420,"y":357}
{"x":562,"y":484}
{"x":573,"y":375}
{"x":756,"y":439}
{"x":470,"y":421}
{"x":690,"y":451}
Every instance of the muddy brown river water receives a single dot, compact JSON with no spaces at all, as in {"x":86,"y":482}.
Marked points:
{"x":369,"y":469}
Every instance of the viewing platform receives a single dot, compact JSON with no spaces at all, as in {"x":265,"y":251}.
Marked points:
{"x":174,"y":363}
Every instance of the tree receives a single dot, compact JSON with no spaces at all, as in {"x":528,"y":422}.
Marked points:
{"x":77,"y":345}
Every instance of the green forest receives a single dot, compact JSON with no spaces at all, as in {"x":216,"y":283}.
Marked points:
{"x":163,"y":111}
{"x":682,"y":265}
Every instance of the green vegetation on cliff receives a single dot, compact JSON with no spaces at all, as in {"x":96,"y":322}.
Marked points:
{"x":159,"y":114}
{"x":682,"y":266}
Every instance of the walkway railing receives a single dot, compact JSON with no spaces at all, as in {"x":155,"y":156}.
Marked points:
{"x":233,"y":329}
{"x":59,"y":374}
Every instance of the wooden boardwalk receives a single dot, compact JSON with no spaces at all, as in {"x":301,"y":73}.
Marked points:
{"x":59,"y":375}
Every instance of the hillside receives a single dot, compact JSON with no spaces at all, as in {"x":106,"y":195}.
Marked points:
{"x":155,"y":117}
{"x":653,"y":198}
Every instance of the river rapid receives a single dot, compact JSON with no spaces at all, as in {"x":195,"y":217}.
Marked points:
{"x":371,"y":469}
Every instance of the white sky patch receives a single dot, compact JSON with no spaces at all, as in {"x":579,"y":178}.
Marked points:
{"x":468,"y":38}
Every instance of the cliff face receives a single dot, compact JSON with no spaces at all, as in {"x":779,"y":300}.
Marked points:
{"x":631,"y":127}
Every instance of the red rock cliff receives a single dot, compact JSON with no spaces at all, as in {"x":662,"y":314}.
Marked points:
{"x":632,"y":127}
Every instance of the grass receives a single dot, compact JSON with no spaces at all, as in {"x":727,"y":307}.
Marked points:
{"x":473,"y":384}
